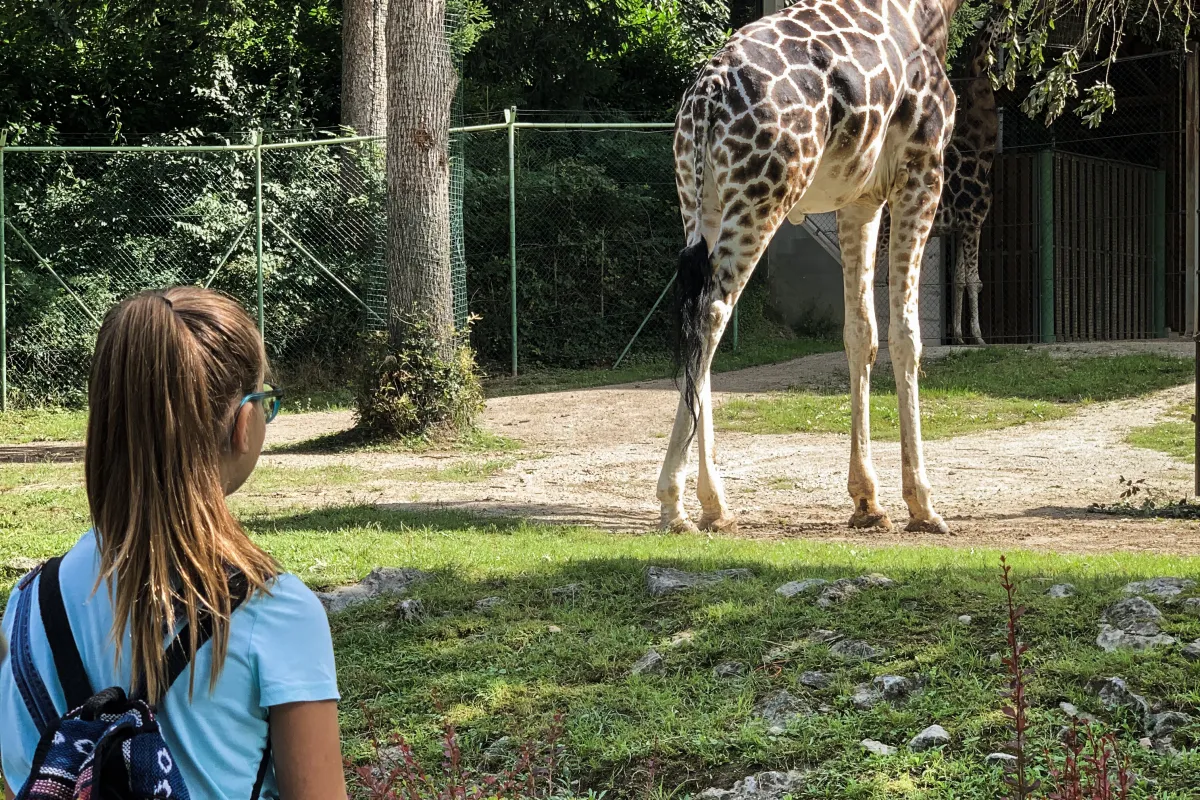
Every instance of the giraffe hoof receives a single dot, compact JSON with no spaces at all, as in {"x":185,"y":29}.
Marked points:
{"x":870,"y":518}
{"x":933,"y":525}
{"x":680,"y":524}
{"x":720,"y":523}
{"x":979,"y":341}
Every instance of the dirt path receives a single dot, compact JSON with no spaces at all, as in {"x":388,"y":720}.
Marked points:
{"x":592,"y":457}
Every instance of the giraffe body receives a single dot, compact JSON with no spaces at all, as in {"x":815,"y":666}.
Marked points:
{"x":827,"y":105}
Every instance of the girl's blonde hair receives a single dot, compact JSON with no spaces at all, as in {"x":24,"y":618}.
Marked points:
{"x":169,"y":369}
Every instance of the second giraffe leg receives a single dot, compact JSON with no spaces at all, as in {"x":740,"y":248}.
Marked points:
{"x":973,"y":283}
{"x":911,"y":224}
{"x":959,"y":288}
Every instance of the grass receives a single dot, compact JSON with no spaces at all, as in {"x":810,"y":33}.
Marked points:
{"x":475,"y":440}
{"x":966,"y":392}
{"x":1174,"y":435}
{"x":506,"y":672}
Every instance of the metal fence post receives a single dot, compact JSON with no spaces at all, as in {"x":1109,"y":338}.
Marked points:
{"x":1160,"y":253}
{"x":510,"y":118}
{"x":1046,"y":247}
{"x":3,"y":289}
{"x":258,"y":229}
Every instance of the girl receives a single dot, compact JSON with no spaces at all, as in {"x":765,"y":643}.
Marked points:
{"x":178,"y":412}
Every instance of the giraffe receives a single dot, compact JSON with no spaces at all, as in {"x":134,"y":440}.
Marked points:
{"x":967,"y":189}
{"x":826,"y":105}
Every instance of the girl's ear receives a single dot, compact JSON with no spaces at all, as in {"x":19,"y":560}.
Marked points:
{"x":240,"y":443}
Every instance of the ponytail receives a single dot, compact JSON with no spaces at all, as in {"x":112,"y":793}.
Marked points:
{"x":168,"y":370}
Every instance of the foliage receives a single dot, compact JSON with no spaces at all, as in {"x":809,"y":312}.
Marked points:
{"x":395,"y":772}
{"x":407,"y":388}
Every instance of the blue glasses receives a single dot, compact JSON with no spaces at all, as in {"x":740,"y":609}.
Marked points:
{"x":271,"y":398}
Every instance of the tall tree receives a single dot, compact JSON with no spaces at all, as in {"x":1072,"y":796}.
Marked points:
{"x":421,"y":86}
{"x":364,"y":66}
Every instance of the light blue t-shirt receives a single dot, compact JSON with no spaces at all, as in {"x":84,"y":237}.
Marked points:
{"x":280,"y":651}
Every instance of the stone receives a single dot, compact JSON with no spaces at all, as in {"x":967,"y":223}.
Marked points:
{"x":1000,"y":758}
{"x":1114,"y":694}
{"x":499,"y":751}
{"x":1135,"y":615}
{"x":1111,"y":639}
{"x":865,"y":698}
{"x":837,"y":592}
{"x":853,"y":650}
{"x":729,"y":669}
{"x":877,"y":748}
{"x":815,"y":680}
{"x":1164,"y":724}
{"x":875,"y":581}
{"x":1074,"y":713}
{"x":778,"y":710}
{"x":782,"y":651}
{"x":893,"y":687}
{"x":763,"y":786}
{"x":553,"y":629}
{"x":488,"y":603}
{"x":965,"y":619}
{"x":17,"y":566}
{"x":410,"y":611}
{"x":1192,"y":606}
{"x":1164,"y":747}
{"x":800,"y":587}
{"x":1192,"y":651}
{"x":651,"y":662}
{"x":933,"y":736}
{"x":824,"y":637}
{"x":681,"y":639}
{"x":379,"y":581}
{"x":1061,"y":591}
{"x":1145,"y":742}
{"x":662,"y":581}
{"x":568,"y":592}
{"x":1160,"y":587}
{"x":996,"y":658}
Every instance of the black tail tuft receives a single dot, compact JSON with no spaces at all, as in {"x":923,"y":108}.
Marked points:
{"x":692,"y":284}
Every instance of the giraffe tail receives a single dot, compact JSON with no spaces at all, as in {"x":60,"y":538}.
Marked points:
{"x":693,"y":280}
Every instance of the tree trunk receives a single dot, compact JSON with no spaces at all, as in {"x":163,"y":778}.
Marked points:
{"x":421,"y":86}
{"x":364,"y":66}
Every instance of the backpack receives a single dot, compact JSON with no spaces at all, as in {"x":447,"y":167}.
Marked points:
{"x":108,"y":746}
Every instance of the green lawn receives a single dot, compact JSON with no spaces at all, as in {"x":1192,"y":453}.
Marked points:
{"x":1174,"y":435}
{"x":506,"y":672}
{"x":965,"y":392}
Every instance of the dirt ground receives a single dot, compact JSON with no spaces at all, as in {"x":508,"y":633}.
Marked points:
{"x":592,"y":457}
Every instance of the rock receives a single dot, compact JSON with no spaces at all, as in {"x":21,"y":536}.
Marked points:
{"x":379,"y":581}
{"x":800,"y":587}
{"x":996,"y":658}
{"x":1164,"y":724}
{"x":568,"y":592}
{"x":933,"y":736}
{"x":815,"y":680}
{"x":1164,"y":747}
{"x":1070,"y":709}
{"x":1000,"y":758}
{"x":1060,"y":591}
{"x":865,"y":698}
{"x":965,"y":619}
{"x":499,"y":751}
{"x":786,"y":650}
{"x":665,"y":580}
{"x":837,"y":592}
{"x":553,"y":629}
{"x":1111,"y":639}
{"x":877,"y":748}
{"x":1074,"y":713}
{"x":681,"y":639}
{"x":1145,"y":742}
{"x":853,"y":650}
{"x":893,"y":687}
{"x":778,"y":709}
{"x":1192,"y":606}
{"x":17,"y":566}
{"x":729,"y":669}
{"x":1115,"y":694}
{"x":1135,"y":615}
{"x":1192,"y":651}
{"x":488,"y":603}
{"x":763,"y":786}
{"x":410,"y":611}
{"x":1160,"y":587}
{"x":824,"y":637}
{"x":651,"y":662}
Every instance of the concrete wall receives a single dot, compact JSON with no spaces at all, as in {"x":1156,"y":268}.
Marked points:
{"x":805,"y":284}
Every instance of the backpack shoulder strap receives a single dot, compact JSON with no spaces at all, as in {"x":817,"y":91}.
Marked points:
{"x":29,"y":683}
{"x":67,"y":661}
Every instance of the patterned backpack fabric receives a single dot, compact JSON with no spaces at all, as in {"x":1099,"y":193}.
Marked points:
{"x":108,"y":746}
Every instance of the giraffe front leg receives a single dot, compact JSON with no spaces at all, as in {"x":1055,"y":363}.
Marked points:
{"x":911,"y":224}
{"x":858,"y":229}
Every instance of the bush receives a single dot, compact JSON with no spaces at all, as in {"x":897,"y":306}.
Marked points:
{"x":410,"y":388}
